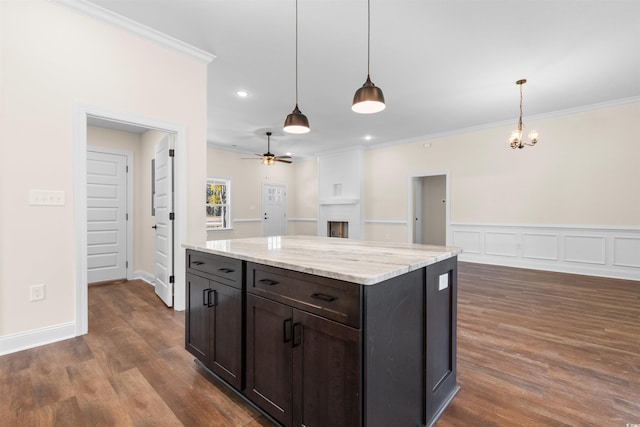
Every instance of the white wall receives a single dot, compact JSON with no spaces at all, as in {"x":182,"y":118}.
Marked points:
{"x":52,"y":60}
{"x":247,"y":178}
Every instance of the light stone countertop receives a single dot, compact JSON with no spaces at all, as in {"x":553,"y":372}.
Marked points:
{"x":356,"y":261}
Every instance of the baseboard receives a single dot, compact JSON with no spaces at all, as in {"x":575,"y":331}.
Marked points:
{"x":36,"y":337}
{"x":605,"y":251}
{"x":147,"y":277}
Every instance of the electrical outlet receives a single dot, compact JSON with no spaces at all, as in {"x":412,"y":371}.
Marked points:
{"x":36,"y":292}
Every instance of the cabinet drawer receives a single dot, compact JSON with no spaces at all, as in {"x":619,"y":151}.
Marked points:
{"x":333,"y":299}
{"x":222,"y":269}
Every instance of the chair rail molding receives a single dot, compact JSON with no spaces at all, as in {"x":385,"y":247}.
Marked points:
{"x":607,"y":251}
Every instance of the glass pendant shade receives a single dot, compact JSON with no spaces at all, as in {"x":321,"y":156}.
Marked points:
{"x":368,"y":99}
{"x":296,"y":122}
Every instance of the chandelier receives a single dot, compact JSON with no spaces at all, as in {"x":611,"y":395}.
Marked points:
{"x":516,"y":136}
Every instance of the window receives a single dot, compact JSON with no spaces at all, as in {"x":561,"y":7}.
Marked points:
{"x":218,"y":204}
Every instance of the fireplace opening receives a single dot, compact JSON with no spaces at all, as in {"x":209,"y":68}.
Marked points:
{"x":338,"y":229}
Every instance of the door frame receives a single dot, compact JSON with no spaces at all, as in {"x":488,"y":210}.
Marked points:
{"x":80,"y":115}
{"x":129,"y":225}
{"x":411,"y":202}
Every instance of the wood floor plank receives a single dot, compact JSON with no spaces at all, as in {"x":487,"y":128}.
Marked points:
{"x":144,"y":405}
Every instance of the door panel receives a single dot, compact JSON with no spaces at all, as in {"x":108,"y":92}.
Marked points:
{"x":269,"y":357}
{"x":274,"y":204}
{"x":326,"y":369}
{"x":164,"y":225}
{"x":197,"y":320}
{"x":226,"y":352}
{"x":106,"y":216}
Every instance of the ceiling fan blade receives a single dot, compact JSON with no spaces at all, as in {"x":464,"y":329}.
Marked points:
{"x":283,"y":161}
{"x":283,"y":157}
{"x":251,"y":158}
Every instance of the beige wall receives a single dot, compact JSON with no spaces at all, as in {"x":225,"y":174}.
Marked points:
{"x":584,"y":171}
{"x":53,"y":59}
{"x":247,"y":178}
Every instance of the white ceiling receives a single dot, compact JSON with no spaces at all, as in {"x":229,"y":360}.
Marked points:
{"x":444,"y":65}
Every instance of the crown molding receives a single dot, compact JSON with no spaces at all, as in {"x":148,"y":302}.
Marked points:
{"x":130,"y":25}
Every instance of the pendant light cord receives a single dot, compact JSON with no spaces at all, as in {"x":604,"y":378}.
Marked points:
{"x":368,"y":35}
{"x":520,"y":119}
{"x":296,"y":53}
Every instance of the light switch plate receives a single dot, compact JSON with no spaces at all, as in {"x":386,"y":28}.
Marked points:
{"x":46,"y":198}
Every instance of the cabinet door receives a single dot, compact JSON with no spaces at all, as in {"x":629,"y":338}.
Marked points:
{"x":326,"y":372}
{"x":269,"y":357}
{"x":197,"y":318}
{"x":226,"y":335}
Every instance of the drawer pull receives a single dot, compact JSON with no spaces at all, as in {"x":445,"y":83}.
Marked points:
{"x":197,"y":263}
{"x":226,"y":270}
{"x":205,"y":296}
{"x":268,"y":282}
{"x":323,"y":297}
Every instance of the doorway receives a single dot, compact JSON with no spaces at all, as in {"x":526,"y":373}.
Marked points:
{"x":429,"y":209}
{"x":82,"y":114}
{"x":274,"y":205}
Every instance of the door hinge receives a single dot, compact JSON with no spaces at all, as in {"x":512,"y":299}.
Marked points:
{"x":172,"y":279}
{"x":126,"y":217}
{"x":126,"y":264}
{"x":172,"y":152}
{"x":172,"y":216}
{"x":126,"y":169}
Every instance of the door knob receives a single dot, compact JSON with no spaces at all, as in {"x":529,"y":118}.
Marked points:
{"x":155,"y":227}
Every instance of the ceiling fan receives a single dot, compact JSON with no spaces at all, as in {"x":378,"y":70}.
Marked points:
{"x":268,"y":158}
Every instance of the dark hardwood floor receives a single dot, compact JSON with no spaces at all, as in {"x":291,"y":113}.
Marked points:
{"x":534,"y":349}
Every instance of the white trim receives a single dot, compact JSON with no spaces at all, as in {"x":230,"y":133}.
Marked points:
{"x":246,"y":220}
{"x":579,"y":249}
{"x":130,"y":198}
{"x":81,"y":113}
{"x":36,"y":337}
{"x":303,"y":219}
{"x":130,"y":25}
{"x":145,"y":276}
{"x":385,"y":221}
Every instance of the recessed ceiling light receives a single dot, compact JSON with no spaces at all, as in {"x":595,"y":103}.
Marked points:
{"x":242,"y":93}
{"x":368,"y":137}
{"x":288,"y":153}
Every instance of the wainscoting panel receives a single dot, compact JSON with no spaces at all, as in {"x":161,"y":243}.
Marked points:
{"x":540,"y":246}
{"x":592,"y":250}
{"x":471,"y":241}
{"x":502,"y":244}
{"x":626,"y":251}
{"x":587,"y":249}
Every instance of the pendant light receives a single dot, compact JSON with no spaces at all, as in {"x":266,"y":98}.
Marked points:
{"x":296,"y":122}
{"x":516,"y":141}
{"x":369,"y":98}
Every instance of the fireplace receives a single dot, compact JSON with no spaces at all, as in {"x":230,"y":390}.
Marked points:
{"x":338,"y":229}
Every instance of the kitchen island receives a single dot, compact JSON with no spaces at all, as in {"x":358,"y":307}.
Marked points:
{"x":325,"y":331}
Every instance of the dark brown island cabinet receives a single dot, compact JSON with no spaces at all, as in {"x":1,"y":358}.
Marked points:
{"x":317,"y":352}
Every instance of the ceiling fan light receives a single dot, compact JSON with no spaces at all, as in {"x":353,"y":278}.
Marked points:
{"x":296,"y":122}
{"x":368,"y":99}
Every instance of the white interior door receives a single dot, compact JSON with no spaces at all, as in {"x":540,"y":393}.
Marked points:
{"x":106,"y":216}
{"x":163,"y":202}
{"x":274,"y":204}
